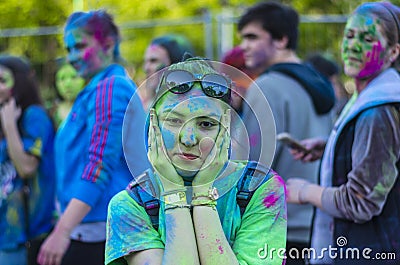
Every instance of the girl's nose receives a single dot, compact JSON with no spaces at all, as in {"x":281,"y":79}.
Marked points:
{"x":188,"y":136}
{"x":354,"y":45}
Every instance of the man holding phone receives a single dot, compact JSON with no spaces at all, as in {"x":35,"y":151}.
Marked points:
{"x":299,"y":97}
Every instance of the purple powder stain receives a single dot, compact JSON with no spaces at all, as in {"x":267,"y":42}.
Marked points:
{"x":282,"y":183}
{"x":375,"y":61}
{"x":88,"y":53}
{"x":270,"y":200}
{"x":220,"y":248}
{"x":254,"y":139}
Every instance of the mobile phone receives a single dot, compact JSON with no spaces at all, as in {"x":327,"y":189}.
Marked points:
{"x":288,"y":140}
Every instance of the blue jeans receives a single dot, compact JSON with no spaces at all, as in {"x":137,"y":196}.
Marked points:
{"x":13,"y":257}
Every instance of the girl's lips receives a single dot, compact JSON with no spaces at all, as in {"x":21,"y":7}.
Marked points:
{"x":188,"y":156}
{"x":353,"y":59}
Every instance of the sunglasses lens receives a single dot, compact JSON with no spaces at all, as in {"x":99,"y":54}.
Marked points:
{"x":179,"y":82}
{"x":215,"y":85}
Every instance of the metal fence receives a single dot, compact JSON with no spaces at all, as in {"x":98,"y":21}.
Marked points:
{"x":211,"y":35}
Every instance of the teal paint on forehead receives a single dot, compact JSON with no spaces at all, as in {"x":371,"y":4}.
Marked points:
{"x":199,"y":104}
{"x":195,"y":100}
{"x":369,"y":21}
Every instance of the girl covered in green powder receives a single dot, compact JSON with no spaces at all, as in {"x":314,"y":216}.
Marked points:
{"x":196,"y":183}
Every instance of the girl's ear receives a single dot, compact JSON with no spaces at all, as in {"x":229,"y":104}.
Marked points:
{"x":394,"y":52}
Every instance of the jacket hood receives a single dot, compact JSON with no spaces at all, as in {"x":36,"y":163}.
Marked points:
{"x":316,"y":85}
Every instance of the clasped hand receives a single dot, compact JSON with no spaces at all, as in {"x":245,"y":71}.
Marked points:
{"x":9,"y":113}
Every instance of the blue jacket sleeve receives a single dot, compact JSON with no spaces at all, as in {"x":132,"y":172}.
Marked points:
{"x":36,"y":130}
{"x":105,"y":152}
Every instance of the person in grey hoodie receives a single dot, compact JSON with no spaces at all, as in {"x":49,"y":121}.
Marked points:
{"x":358,"y":197}
{"x":299,"y":98}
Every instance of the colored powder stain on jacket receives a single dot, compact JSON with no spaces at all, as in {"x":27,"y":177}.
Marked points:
{"x":254,"y":139}
{"x":272,"y":198}
{"x":12,"y":216}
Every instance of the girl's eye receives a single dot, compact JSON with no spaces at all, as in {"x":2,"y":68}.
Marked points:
{"x":349,"y":35}
{"x":80,"y":46}
{"x":173,"y":121}
{"x":207,"y":124}
{"x":368,"y":38}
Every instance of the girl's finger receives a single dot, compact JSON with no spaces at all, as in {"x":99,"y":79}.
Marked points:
{"x":223,"y":137}
{"x":161,"y":150}
{"x":150,"y":136}
{"x":152,"y":141}
{"x":222,"y":130}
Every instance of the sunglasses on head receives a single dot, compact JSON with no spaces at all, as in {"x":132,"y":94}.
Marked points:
{"x":213,"y":85}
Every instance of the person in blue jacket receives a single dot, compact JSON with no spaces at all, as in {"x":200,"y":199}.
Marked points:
{"x":26,"y":163}
{"x":90,"y":162}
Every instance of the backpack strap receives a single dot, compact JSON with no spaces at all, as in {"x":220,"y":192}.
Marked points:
{"x":139,"y":189}
{"x":253,"y":177}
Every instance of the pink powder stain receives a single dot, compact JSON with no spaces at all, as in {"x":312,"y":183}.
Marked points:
{"x":375,"y":60}
{"x":154,"y":47}
{"x":98,"y":35}
{"x":88,"y":53}
{"x":282,"y":183}
{"x":254,"y":139}
{"x":220,"y":248}
{"x":270,"y":200}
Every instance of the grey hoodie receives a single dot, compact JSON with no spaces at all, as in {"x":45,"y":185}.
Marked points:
{"x":299,"y":100}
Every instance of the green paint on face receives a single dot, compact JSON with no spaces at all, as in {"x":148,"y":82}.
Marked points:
{"x":68,"y":82}
{"x":363,"y":47}
{"x":6,"y":78}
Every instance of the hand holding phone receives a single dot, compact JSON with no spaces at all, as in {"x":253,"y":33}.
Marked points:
{"x":288,"y":140}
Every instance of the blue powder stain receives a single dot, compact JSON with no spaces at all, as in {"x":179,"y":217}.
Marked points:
{"x":169,"y":139}
{"x":369,"y":21}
